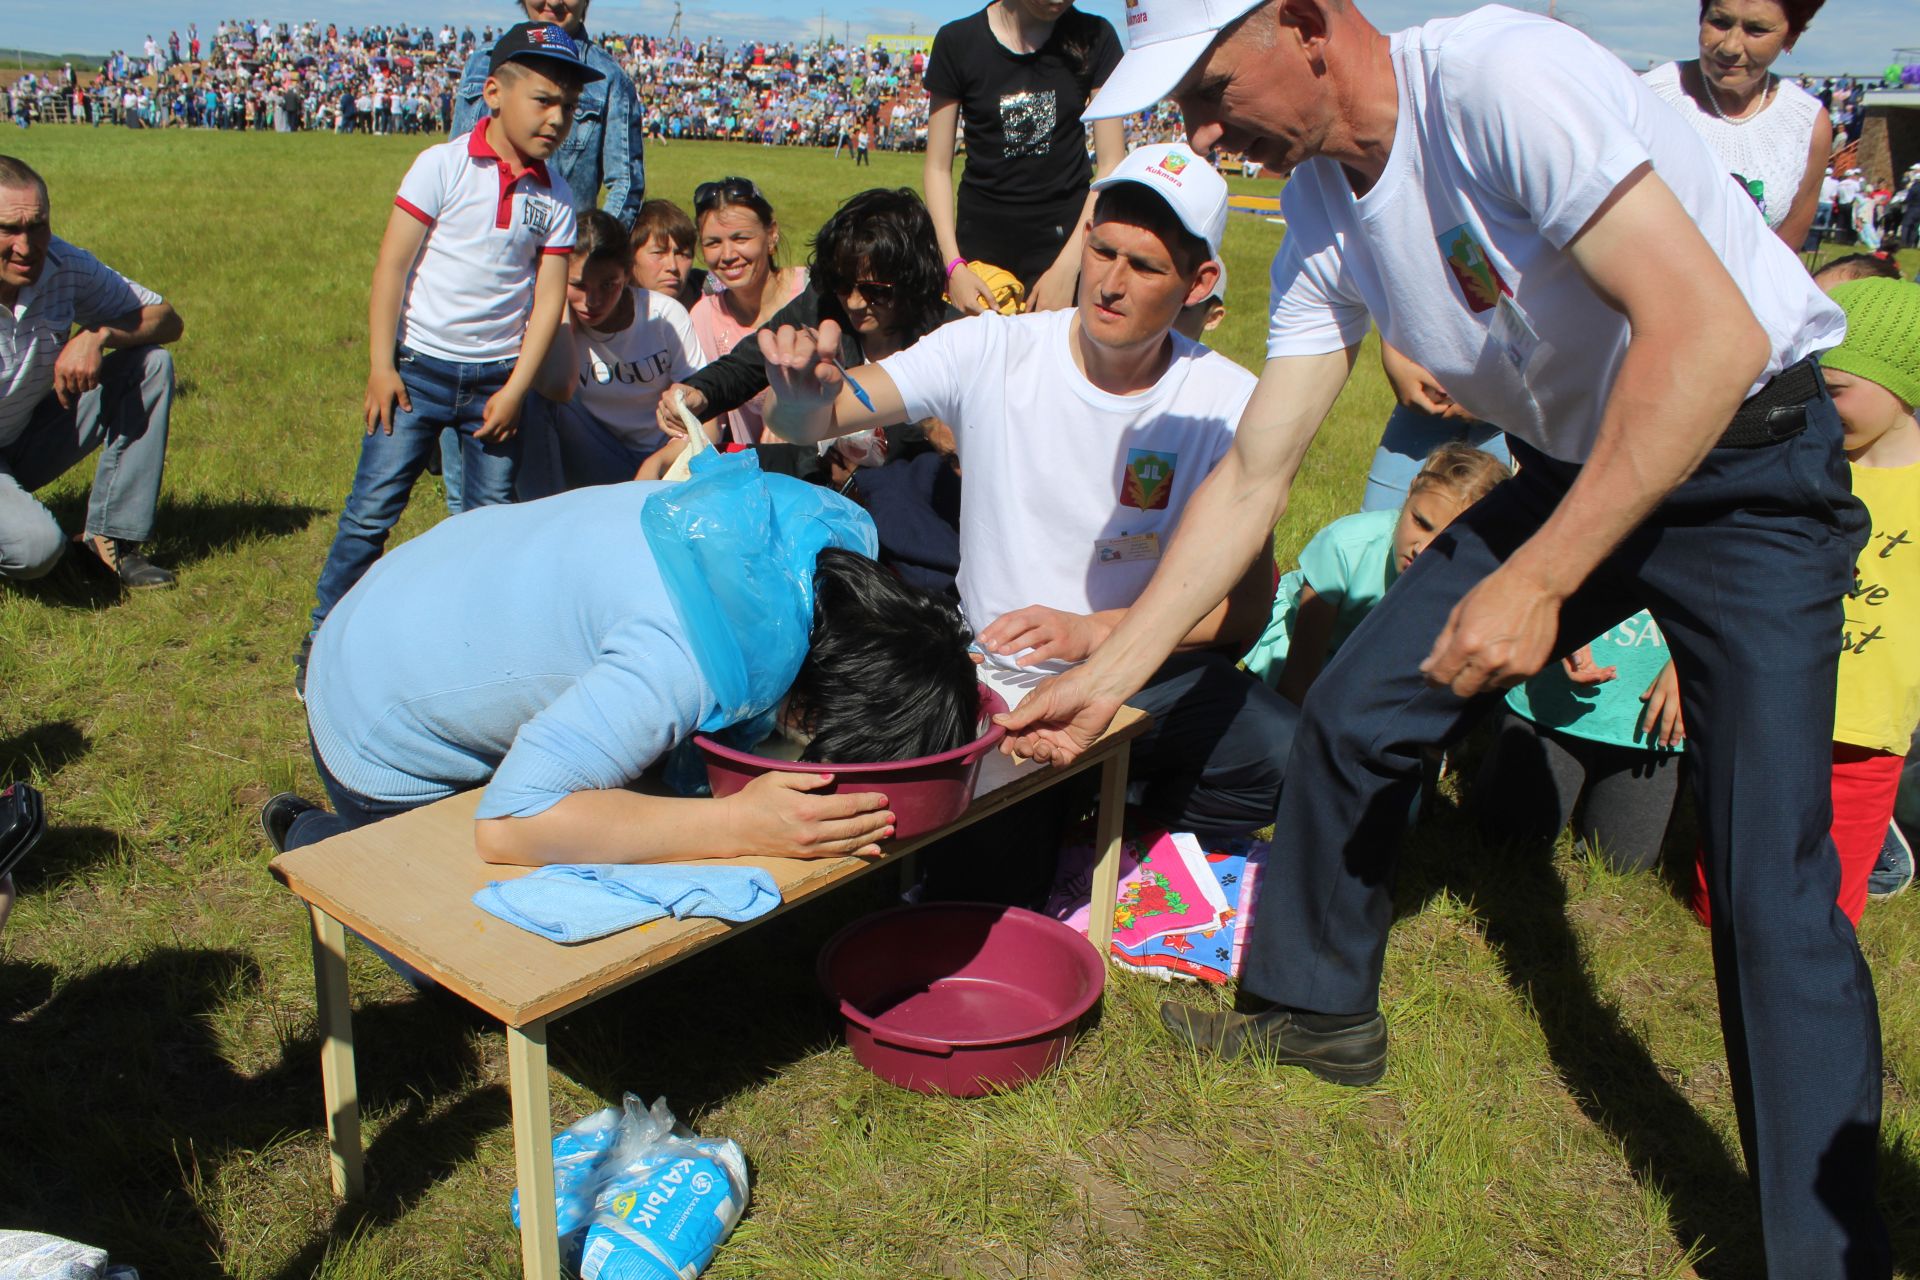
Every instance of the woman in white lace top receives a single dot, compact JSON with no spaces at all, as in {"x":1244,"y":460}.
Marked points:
{"x":1773,"y":136}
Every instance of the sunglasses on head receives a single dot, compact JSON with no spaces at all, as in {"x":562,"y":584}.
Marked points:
{"x":708,"y":194}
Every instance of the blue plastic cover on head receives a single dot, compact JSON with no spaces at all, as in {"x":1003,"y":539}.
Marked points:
{"x":736,"y":548}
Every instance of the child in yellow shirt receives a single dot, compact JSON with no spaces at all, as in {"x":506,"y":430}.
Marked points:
{"x":1875,"y":379}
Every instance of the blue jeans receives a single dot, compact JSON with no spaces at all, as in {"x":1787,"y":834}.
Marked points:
{"x":1745,"y":567}
{"x":351,"y":811}
{"x":1410,"y":436}
{"x":126,"y":419}
{"x":444,"y":393}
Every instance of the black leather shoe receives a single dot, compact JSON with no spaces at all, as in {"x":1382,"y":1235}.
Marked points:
{"x":277,"y":815}
{"x":123,"y":559}
{"x":1355,"y":1055}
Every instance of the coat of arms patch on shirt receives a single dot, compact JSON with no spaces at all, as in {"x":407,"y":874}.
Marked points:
{"x":1149,"y":479}
{"x":536,"y":214}
{"x":1472,"y":267}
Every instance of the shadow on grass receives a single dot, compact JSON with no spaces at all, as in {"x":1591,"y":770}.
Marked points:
{"x":1613,"y":1078}
{"x":127,"y":1126}
{"x":723,"y":1021}
{"x":41,"y":751}
{"x":185,"y":532}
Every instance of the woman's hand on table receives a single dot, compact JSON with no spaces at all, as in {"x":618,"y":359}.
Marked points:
{"x":775,"y":816}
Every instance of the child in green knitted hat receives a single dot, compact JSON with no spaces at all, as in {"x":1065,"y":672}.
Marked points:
{"x":1875,"y":379}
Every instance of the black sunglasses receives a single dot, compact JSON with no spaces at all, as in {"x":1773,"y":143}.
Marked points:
{"x":874,"y":291}
{"x":708,"y":194}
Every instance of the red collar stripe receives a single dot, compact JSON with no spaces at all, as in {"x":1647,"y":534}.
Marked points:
{"x":480,"y":149}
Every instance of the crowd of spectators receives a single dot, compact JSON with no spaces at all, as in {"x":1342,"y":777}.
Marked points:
{"x":401,"y":79}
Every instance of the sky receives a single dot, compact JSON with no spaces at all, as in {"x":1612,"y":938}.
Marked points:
{"x":1850,"y":35}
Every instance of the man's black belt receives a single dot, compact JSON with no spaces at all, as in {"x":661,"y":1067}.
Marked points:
{"x":1777,"y":411}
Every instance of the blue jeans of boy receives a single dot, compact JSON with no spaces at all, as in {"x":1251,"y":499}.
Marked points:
{"x":1409,"y":437}
{"x":1745,"y":567}
{"x":444,"y":393}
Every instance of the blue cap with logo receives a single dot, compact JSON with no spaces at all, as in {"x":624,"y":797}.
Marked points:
{"x":544,"y":41}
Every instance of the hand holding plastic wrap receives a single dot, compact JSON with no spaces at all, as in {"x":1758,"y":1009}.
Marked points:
{"x":736,"y":548}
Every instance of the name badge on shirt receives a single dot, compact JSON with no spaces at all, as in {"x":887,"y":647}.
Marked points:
{"x":1514,"y":333}
{"x":1128,"y":548}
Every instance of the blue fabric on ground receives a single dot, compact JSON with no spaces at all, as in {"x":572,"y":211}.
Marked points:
{"x":580,"y":903}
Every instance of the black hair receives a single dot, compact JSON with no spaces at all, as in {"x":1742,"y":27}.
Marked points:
{"x":887,"y":676}
{"x":886,"y":236}
{"x":1857,"y":266}
{"x":599,"y":237}
{"x":1138,"y":205}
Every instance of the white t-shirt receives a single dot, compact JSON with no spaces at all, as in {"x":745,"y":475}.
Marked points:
{"x":1073,"y":493}
{"x":471,"y":289}
{"x":622,"y":374}
{"x":1513,"y":129}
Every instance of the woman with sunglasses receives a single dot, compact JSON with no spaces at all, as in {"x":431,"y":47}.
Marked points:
{"x":621,"y":346}
{"x":875,"y":271}
{"x":740,"y":242}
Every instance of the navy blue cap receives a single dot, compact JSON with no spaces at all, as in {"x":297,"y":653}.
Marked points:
{"x":530,"y":40}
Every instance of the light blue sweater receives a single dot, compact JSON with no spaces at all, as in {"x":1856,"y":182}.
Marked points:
{"x":532,"y":644}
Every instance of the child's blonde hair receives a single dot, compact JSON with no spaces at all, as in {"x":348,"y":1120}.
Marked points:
{"x":1463,"y":472}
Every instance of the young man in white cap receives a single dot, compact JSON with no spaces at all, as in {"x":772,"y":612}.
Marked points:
{"x":1516,"y":211}
{"x":1082,"y":434}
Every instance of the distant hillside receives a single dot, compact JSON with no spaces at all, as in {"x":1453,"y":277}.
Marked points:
{"x":28,"y":60}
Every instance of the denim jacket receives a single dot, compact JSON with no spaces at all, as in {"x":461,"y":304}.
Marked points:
{"x":605,"y":145}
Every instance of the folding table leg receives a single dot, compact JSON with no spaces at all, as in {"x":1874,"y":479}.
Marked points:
{"x":533,"y":1150}
{"x":1106,"y":841}
{"x":338,"y":1082}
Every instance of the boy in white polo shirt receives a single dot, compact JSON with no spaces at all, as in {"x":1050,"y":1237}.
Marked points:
{"x":467,"y":296}
{"x":1083,"y":434}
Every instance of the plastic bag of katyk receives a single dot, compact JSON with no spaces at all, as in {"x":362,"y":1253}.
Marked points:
{"x":667,"y":1201}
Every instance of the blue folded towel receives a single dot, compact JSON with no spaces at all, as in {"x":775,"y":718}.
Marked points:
{"x":580,"y":903}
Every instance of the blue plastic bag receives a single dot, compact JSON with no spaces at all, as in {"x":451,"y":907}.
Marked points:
{"x":667,"y":1201}
{"x":736,"y":548}
{"x":579,"y":1154}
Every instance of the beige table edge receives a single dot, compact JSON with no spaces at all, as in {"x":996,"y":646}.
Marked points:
{"x":526,"y":1021}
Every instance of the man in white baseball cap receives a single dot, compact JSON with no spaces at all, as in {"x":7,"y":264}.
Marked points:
{"x":1083,"y":434}
{"x":1513,"y":208}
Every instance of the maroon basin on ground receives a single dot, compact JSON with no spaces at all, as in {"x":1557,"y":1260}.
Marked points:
{"x":960,"y":997}
{"x":924,"y":794}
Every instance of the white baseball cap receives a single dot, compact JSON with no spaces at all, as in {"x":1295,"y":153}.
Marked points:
{"x":1192,"y":188}
{"x":1164,"y":39}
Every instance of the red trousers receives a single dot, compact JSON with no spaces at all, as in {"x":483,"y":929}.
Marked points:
{"x":1865,"y":784}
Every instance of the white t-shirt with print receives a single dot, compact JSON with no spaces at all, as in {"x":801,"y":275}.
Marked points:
{"x":1513,"y":129}
{"x":622,"y":374}
{"x":471,"y":289}
{"x":1073,"y":493}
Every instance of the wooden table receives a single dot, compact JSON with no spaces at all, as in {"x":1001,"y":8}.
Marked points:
{"x":407,"y":884}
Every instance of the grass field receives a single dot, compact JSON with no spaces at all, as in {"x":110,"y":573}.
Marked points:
{"x":1556,"y":1103}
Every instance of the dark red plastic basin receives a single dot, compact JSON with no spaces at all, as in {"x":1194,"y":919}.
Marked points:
{"x":924,"y":794}
{"x":960,"y":997}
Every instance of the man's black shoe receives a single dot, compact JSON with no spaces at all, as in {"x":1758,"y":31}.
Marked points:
{"x":1355,"y":1055}
{"x":123,"y":560}
{"x":277,"y":815}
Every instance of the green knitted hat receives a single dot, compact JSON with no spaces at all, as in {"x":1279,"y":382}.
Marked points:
{"x":1883,"y":335}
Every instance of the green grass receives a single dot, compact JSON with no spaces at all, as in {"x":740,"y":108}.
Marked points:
{"x":1556,"y":1103}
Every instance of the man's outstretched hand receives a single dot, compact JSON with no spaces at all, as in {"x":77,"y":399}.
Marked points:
{"x":1059,"y":720}
{"x":803,"y":364}
{"x":1500,"y":633}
